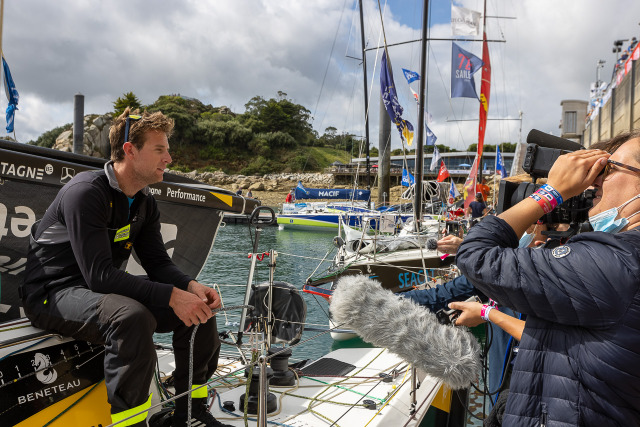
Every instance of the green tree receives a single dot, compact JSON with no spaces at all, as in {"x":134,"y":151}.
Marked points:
{"x":281,"y":115}
{"x":126,"y":100}
{"x":48,"y":139}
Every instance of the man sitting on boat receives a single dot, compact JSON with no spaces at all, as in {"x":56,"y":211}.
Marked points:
{"x":73,"y":284}
{"x":579,"y":360}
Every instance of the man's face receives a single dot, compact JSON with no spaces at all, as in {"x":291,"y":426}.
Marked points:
{"x":151,"y":161}
{"x":620,"y":184}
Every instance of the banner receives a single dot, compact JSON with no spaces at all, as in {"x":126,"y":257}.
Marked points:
{"x":465,"y":22}
{"x":463,"y":66}
{"x":443,"y":173}
{"x":500,"y":165}
{"x":485,"y":90}
{"x":331,"y":193}
{"x":391,"y":103}
{"x":435,"y":158}
{"x":12,"y":95}
{"x":470,"y":184}
{"x":407,"y":179}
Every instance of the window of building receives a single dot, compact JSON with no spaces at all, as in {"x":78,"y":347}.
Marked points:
{"x":570,"y":121}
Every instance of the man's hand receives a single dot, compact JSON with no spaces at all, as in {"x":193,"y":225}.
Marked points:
{"x":194,"y":305}
{"x":205,"y":293}
{"x":470,"y":315}
{"x":449,"y":244}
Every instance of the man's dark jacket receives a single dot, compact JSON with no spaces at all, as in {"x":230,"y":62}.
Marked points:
{"x":579,"y":358}
{"x":88,"y":233}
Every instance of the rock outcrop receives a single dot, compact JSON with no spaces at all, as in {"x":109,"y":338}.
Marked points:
{"x":95,"y":138}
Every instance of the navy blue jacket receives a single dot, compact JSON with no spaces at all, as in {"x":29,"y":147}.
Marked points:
{"x":579,"y":358}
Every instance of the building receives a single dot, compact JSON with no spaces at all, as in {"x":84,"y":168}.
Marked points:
{"x":458,"y":164}
{"x":615,"y":108}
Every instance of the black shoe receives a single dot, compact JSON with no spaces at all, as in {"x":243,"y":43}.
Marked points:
{"x":198,"y":419}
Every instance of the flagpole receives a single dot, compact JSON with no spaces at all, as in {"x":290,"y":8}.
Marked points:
{"x":417,"y":207}
{"x":366,"y":103}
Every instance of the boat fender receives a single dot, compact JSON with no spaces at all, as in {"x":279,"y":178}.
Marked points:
{"x":361,"y":246}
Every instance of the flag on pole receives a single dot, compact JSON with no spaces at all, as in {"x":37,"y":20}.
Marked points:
{"x":500,"y":165}
{"x":391,"y":103}
{"x":407,"y":179}
{"x":443,"y":173}
{"x":463,"y":66}
{"x":435,"y":158}
{"x":12,"y":95}
{"x":465,"y":22}
{"x":470,"y":184}
{"x":431,"y":137}
{"x":485,"y":90}
{"x":411,"y":76}
{"x":453,"y":193}
{"x":415,"y":95}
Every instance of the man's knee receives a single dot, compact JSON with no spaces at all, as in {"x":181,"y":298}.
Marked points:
{"x":126,"y":315}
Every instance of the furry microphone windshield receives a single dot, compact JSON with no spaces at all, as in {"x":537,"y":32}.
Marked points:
{"x":383,"y":319}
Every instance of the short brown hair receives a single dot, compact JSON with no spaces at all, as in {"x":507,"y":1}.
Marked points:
{"x":137,"y":130}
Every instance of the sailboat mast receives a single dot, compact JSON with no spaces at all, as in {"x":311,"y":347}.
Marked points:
{"x":417,"y":207}
{"x":366,"y":101}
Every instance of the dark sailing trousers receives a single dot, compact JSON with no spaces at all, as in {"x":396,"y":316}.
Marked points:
{"x":125,"y":327}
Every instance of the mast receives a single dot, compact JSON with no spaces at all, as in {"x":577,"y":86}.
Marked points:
{"x":366,"y":101}
{"x":417,"y":207}
{"x":485,"y":90}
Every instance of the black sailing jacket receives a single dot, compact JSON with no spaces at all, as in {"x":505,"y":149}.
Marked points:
{"x":87,"y":234}
{"x":579,"y":358}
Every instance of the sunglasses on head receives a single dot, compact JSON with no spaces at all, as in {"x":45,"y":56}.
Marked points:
{"x":127,"y":125}
{"x":608,"y":168}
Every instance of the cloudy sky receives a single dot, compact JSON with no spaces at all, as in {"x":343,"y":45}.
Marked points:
{"x":224,"y":52}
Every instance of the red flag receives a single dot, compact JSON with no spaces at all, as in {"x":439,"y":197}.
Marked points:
{"x":443,"y":173}
{"x":470,"y":184}
{"x":485,"y":90}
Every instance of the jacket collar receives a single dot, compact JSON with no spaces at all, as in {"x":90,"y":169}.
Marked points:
{"x":113,"y":181}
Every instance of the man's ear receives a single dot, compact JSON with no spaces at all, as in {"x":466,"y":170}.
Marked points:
{"x":128,"y":148}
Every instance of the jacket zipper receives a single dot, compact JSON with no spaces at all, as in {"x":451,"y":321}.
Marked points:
{"x":543,"y":416}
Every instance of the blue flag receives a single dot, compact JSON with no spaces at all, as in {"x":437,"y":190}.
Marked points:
{"x":411,"y":76}
{"x":431,"y":137}
{"x":463,"y":66}
{"x":407,"y":179}
{"x":12,"y":95}
{"x":391,"y":103}
{"x":500,"y":164}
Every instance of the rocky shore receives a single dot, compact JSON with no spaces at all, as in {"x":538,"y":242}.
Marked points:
{"x":272,"y":189}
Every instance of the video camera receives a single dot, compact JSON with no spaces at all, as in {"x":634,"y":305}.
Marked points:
{"x":542,"y":152}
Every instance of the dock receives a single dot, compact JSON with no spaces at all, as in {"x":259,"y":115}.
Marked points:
{"x":231,"y":218}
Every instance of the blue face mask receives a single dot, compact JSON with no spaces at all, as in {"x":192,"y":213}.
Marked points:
{"x":526,"y":240}
{"x":606,"y":221}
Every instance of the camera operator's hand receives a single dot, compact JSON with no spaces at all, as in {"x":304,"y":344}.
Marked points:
{"x":572,"y":173}
{"x":449,"y":244}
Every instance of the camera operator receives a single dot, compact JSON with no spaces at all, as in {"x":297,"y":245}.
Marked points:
{"x":579,"y":357}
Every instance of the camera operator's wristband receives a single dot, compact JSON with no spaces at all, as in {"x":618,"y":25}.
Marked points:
{"x":555,"y":193}
{"x":484,"y":312}
{"x":544,"y":203}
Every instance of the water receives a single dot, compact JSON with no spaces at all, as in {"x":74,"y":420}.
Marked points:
{"x":299,"y":253}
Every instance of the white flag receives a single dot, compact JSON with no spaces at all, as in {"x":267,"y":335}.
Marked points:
{"x":465,"y":22}
{"x":435,"y":158}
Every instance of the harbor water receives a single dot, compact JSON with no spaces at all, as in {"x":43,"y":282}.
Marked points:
{"x":298,"y":254}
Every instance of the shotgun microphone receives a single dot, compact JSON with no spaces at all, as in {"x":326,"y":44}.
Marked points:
{"x":383,"y":319}
{"x":549,"y":141}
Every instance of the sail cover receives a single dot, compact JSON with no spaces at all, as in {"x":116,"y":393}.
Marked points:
{"x":331,"y":193}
